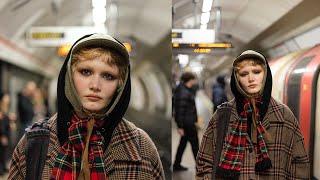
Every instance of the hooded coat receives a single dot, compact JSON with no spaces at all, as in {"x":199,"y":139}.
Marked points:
{"x":285,"y":147}
{"x":129,"y":153}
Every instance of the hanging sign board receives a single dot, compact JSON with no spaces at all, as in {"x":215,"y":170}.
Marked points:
{"x":191,"y":36}
{"x":57,"y":36}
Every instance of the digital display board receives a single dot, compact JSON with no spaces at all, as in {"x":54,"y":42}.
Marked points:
{"x":202,"y":48}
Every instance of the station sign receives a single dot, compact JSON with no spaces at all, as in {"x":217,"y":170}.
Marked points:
{"x":63,"y":37}
{"x":199,"y":41}
{"x":200,"y":48}
{"x":202,"y":45}
{"x":56,"y":36}
{"x":191,"y":36}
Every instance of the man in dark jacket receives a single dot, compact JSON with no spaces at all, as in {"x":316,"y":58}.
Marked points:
{"x":218,"y":92}
{"x":185,"y":117}
{"x":25,"y":107}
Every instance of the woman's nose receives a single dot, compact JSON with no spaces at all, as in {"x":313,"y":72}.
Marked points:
{"x":94,"y":83}
{"x":251,"y":78}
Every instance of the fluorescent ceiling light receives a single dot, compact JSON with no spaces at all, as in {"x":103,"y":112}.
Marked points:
{"x":205,"y":17}
{"x":99,"y":15}
{"x":203,"y":26}
{"x":99,"y":3}
{"x":206,"y":5}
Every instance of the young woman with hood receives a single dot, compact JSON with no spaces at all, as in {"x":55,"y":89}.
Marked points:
{"x":89,"y":138}
{"x":262,"y":138}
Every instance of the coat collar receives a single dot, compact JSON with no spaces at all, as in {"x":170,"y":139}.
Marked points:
{"x":273,"y":114}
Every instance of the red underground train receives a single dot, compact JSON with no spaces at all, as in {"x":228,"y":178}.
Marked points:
{"x":297,"y":84}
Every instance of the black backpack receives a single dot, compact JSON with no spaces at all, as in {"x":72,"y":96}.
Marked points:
{"x":38,"y":138}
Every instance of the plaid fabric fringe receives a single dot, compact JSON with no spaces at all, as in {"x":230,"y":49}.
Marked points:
{"x":68,"y":161}
{"x":233,"y":151}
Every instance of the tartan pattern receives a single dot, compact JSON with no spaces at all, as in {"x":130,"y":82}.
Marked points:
{"x":68,"y":161}
{"x":286,"y":149}
{"x":261,"y":147}
{"x":130,"y":155}
{"x":233,"y":152}
{"x":233,"y":148}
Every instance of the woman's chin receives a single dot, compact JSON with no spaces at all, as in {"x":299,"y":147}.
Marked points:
{"x":93,"y":109}
{"x":253,"y":94}
{"x":252,"y":91}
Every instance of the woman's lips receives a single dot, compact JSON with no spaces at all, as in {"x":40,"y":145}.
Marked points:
{"x":252,"y":86}
{"x":93,"y":97}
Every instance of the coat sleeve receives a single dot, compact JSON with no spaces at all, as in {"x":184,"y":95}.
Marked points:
{"x":18,"y":164}
{"x":152,"y":155}
{"x":205,"y":158}
{"x":300,"y":164}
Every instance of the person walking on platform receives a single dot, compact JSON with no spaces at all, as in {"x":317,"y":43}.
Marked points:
{"x":218,"y":92}
{"x":252,"y":136}
{"x":89,"y":138}
{"x":25,"y":107}
{"x":185,"y":116}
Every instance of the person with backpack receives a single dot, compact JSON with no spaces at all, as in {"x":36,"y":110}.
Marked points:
{"x":88,"y":138}
{"x":253,"y":136}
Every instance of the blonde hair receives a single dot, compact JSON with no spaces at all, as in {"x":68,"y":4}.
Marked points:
{"x":110,"y":56}
{"x":238,"y":65}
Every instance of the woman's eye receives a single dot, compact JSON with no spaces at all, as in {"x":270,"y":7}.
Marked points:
{"x":243,"y":74}
{"x":108,"y":76}
{"x":85,"y":72}
{"x":257,"y":72}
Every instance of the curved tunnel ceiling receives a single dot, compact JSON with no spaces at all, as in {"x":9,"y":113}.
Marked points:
{"x":137,"y":20}
{"x":243,"y":20}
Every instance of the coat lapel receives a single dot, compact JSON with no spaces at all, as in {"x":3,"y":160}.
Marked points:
{"x":124,"y":145}
{"x":274,"y":114}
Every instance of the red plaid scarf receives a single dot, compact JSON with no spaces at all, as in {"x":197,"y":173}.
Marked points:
{"x":68,"y":160}
{"x":232,"y":155}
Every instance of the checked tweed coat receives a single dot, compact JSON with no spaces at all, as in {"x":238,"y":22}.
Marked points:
{"x":130,"y":155}
{"x":286,"y":149}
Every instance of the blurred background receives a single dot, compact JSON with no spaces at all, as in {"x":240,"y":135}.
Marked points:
{"x":35,"y":36}
{"x":208,"y":34}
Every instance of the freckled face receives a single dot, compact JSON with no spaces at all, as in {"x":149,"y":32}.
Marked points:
{"x":96,"y":82}
{"x":250,"y":77}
